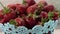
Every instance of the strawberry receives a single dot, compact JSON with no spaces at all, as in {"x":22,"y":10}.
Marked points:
{"x":19,"y":22}
{"x":44,"y":14}
{"x":8,"y":16}
{"x":11,"y":13}
{"x":48,"y":8}
{"x":43,"y":2}
{"x":21,"y":9}
{"x":55,"y":17}
{"x":28,"y":2}
{"x":1,"y":14}
{"x":32,"y":9}
{"x":44,"y":17}
{"x":30,"y":22}
{"x":12,"y":6}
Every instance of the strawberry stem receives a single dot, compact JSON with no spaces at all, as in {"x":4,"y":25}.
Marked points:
{"x":23,"y":2}
{"x":40,"y":6}
{"x":12,"y":22}
{"x":6,"y":10}
{"x":50,"y":15}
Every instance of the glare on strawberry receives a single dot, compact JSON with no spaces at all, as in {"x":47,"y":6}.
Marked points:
{"x":32,"y":9}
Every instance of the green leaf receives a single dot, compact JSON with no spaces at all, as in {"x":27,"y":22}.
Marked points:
{"x":50,"y":15}
{"x":43,"y":20}
{"x":30,"y":15}
{"x":24,"y":2}
{"x":6,"y":10}
{"x":12,"y":22}
{"x":40,"y":6}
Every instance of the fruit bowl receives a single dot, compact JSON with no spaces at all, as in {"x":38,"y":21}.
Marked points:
{"x":48,"y":28}
{"x":29,"y":18}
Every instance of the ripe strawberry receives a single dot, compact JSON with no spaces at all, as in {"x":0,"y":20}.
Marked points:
{"x":44,"y":14}
{"x":30,"y":22}
{"x":28,"y":2}
{"x":12,"y":6}
{"x":21,"y":9}
{"x":8,"y":16}
{"x":44,"y":17}
{"x":32,"y":9}
{"x":48,"y":8}
{"x":1,"y":14}
{"x":55,"y":17}
{"x":19,"y":22}
{"x":43,"y":2}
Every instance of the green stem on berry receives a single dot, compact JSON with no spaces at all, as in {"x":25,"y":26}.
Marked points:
{"x":6,"y":10}
{"x":43,"y":20}
{"x":40,"y":5}
{"x":23,"y":2}
{"x":50,"y":15}
{"x":12,"y":22}
{"x":34,"y":15}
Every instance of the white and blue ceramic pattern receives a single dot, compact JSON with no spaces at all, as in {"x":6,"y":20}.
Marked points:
{"x":38,"y":29}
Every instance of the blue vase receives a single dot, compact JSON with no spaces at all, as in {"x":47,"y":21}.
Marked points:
{"x":48,"y":28}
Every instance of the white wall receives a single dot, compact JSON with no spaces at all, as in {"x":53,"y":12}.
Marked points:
{"x":54,"y":2}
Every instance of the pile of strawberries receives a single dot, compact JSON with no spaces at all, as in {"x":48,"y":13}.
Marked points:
{"x":28,"y":14}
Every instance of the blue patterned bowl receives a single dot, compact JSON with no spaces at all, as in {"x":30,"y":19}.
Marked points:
{"x":48,"y":28}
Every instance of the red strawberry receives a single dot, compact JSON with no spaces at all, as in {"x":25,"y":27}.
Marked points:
{"x":8,"y":16}
{"x":12,"y":6}
{"x":48,"y":8}
{"x":21,"y":8}
{"x":30,"y":22}
{"x":43,"y":2}
{"x":32,"y":9}
{"x":55,"y":17}
{"x":44,"y":14}
{"x":29,"y":2}
{"x":1,"y":14}
{"x":19,"y":22}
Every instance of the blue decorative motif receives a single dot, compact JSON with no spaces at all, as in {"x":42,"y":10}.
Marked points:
{"x":38,"y":29}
